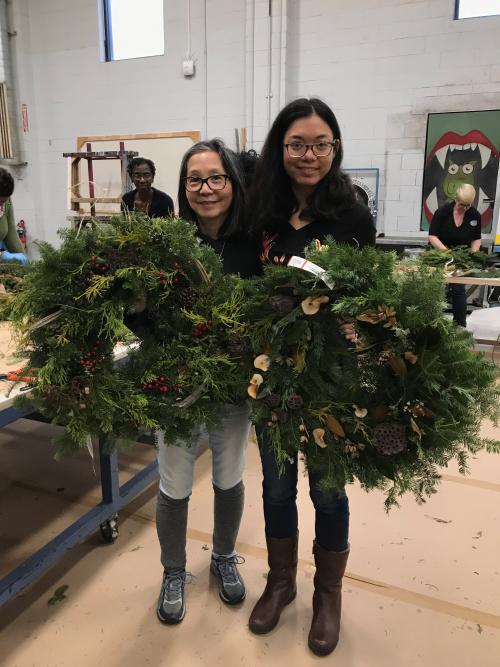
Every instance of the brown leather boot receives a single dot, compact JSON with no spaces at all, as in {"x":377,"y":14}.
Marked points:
{"x":281,"y":586}
{"x":327,"y":599}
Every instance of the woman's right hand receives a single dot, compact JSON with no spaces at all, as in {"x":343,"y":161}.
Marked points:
{"x":139,"y":306}
{"x":349,"y":332}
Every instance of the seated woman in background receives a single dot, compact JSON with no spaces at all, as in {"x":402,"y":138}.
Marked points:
{"x":457,"y":223}
{"x":145,"y":198}
{"x":10,"y":246}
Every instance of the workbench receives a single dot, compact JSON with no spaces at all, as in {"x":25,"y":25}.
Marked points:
{"x":103,"y":516}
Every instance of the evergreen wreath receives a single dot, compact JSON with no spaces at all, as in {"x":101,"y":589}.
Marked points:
{"x":144,"y":283}
{"x":11,"y":281}
{"x":460,"y":261}
{"x":389,"y":412}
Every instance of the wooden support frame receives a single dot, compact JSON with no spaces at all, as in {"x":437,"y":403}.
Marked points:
{"x":97,"y":143}
{"x":194,"y":135}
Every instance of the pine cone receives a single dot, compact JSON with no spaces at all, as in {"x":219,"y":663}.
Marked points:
{"x":282,"y":304}
{"x":238,"y":346}
{"x":272,"y":400}
{"x":295,"y":402}
{"x":186,"y":297}
{"x":81,"y":384}
{"x":83,"y":281}
{"x":117,"y":259}
{"x":390,"y":438}
{"x":281,"y":415}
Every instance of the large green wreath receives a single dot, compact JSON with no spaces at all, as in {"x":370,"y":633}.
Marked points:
{"x":138,"y":287}
{"x":389,"y":412}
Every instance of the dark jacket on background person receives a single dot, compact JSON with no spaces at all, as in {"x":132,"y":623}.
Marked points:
{"x":443,"y":226}
{"x":162,"y":206}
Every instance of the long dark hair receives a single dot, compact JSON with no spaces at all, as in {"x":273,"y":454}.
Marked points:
{"x":272,"y":201}
{"x":6,"y":183}
{"x":233,"y":224}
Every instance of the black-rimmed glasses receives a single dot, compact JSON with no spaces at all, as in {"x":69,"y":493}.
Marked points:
{"x":214,"y":182}
{"x":319,"y":149}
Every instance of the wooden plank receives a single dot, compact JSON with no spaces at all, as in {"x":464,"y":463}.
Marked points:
{"x":193,"y":134}
{"x":101,"y":155}
{"x":470,"y":280}
{"x":487,"y":341}
{"x":93,"y":200}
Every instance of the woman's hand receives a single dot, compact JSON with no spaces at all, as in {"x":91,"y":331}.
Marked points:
{"x":349,"y":332}
{"x":139,"y":305}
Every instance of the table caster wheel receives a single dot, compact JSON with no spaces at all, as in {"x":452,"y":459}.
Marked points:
{"x":109,"y":529}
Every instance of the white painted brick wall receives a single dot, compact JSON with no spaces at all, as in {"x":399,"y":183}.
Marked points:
{"x":383,"y":65}
{"x":397,"y":60}
{"x":69,"y":92}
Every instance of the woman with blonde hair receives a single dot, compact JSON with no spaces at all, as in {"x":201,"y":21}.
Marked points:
{"x":457,"y":223}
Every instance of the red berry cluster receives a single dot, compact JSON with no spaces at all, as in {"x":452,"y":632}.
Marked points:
{"x":161,"y":383}
{"x":202,"y":328}
{"x":164,"y":280}
{"x":99,"y":265}
{"x":92,"y":360}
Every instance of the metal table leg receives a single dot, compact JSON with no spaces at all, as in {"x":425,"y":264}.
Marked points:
{"x":114,"y":498}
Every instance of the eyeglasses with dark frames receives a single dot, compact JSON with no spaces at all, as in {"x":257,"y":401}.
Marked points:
{"x":214,"y":182}
{"x":320,"y":149}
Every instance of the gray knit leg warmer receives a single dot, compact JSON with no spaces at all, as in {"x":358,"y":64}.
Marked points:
{"x":171,"y":526}
{"x":228,"y":509}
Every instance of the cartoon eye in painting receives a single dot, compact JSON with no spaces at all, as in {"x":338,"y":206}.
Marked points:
{"x":468,"y":169}
{"x":453,"y":169}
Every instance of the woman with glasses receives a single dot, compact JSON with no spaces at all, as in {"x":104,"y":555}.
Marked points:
{"x":145,"y":198}
{"x":457,"y":223}
{"x":211,"y":196}
{"x":302,"y":195}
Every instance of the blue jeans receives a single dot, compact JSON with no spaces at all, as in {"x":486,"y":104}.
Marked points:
{"x":280,"y":502}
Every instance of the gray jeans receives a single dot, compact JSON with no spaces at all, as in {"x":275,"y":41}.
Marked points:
{"x":228,"y":443}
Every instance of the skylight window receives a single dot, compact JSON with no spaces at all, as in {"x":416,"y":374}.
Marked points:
{"x":466,"y":9}
{"x":133,"y":29}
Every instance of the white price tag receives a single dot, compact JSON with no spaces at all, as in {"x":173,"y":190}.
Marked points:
{"x":306,"y":265}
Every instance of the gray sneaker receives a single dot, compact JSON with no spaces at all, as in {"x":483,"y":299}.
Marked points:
{"x":231,"y":585}
{"x":171,"y":605}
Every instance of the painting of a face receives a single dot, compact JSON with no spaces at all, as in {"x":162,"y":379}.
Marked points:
{"x":455,"y":159}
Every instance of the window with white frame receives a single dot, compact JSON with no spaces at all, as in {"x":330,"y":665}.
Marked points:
{"x":466,"y":9}
{"x":132,"y":29}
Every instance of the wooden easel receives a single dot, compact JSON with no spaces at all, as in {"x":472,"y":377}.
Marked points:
{"x":80,"y":217}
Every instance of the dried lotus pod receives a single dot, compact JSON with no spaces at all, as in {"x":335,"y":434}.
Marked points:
{"x":390,"y":438}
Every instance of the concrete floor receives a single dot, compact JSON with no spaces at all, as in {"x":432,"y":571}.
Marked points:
{"x":422,"y":587}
